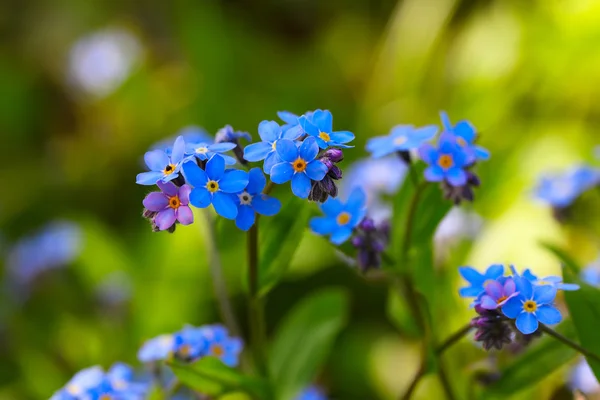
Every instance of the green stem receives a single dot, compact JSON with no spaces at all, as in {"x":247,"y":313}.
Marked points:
{"x":413,"y":384}
{"x":455,"y":337}
{"x":255,"y":304}
{"x":569,"y":343}
{"x":445,"y":381}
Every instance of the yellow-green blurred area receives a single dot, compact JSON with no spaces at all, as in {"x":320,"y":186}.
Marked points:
{"x":86,"y":87}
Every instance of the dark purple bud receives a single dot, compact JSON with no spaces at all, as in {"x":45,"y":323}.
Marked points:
{"x":473,"y":179}
{"x":327,"y":162}
{"x":367,"y":224}
{"x":335,"y":172}
{"x":148,"y":214}
{"x":317,"y":193}
{"x":357,"y":241}
{"x":335,"y":155}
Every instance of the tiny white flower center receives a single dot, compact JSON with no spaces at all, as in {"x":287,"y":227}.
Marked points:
{"x":202,"y":150}
{"x":245,"y":198}
{"x":400,"y":140}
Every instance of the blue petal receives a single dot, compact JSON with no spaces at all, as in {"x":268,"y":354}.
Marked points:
{"x":548,"y":315}
{"x":481,"y":153}
{"x":225,"y":205}
{"x":332,"y":207}
{"x":445,"y":121}
{"x":245,"y":218}
{"x":293,"y":133}
{"x":472,"y":291}
{"x":494,"y":271}
{"x":320,"y":142}
{"x":524,"y":287}
{"x":156,"y":160}
{"x":271,"y":160}
{"x":488,"y":303}
{"x":215,"y":167}
{"x":301,"y":185}
{"x":316,"y":170}
{"x":513,"y":307}
{"x":323,"y":225}
{"x":309,"y":149}
{"x":544,"y":294}
{"x":456,"y":176}
{"x":287,"y":150}
{"x":340,"y":235}
{"x":357,"y":200}
{"x":178,"y":150}
{"x":567,"y":286}
{"x":472,"y":276}
{"x":428,"y":153}
{"x":233,"y":181}
{"x":342,"y":136}
{"x":380,"y":146}
{"x":288,"y":117}
{"x":282,"y":172}
{"x":221,"y":147}
{"x":200,"y":197}
{"x":465,"y":130}
{"x":148,"y":178}
{"x":307,"y":126}
{"x":425,"y":133}
{"x":266,"y":205}
{"x":256,"y":181}
{"x":323,"y":120}
{"x":434,"y":173}
{"x":527,"y":323}
{"x":194,"y":174}
{"x":228,"y":159}
{"x":269,"y":131}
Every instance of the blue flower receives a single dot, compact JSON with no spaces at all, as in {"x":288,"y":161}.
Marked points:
{"x":479,"y":281}
{"x":220,"y":345}
{"x":227,"y":134}
{"x":340,"y":219}
{"x":446,"y":162}
{"x":215,"y":185}
{"x":292,"y":122}
{"x":533,"y":304}
{"x":591,"y":273}
{"x":190,"y":134}
{"x":311,"y":393}
{"x":321,"y":128}
{"x":555,"y":281}
{"x":251,"y":200}
{"x":270,"y":132}
{"x":299,"y":165}
{"x":190,"y":343}
{"x":162,"y":166}
{"x":204,"y":150}
{"x":465,"y":134}
{"x":156,"y":349}
{"x":80,"y":384}
{"x":562,"y":190}
{"x":401,"y":138}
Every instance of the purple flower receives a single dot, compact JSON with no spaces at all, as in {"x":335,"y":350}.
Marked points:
{"x":170,"y":205}
{"x":497,"y":293}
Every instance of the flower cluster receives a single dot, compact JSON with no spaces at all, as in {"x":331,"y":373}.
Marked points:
{"x":561,"y":190}
{"x":505,"y":303}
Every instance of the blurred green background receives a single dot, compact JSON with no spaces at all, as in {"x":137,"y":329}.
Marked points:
{"x":88,"y":86}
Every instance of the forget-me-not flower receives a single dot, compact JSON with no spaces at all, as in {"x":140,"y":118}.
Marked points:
{"x":156,"y":349}
{"x":311,"y":393}
{"x":190,"y":134}
{"x":205,"y":150}
{"x":591,"y":273}
{"x":298,"y":165}
{"x":163,"y":167}
{"x":401,"y":138}
{"x":446,"y":162}
{"x":497,"y":293}
{"x":555,"y":281}
{"x":170,"y":205}
{"x":292,"y":122}
{"x":561,"y":191}
{"x":340,"y":219}
{"x":477,"y":280}
{"x":221,"y":345}
{"x":215,"y":185}
{"x":320,"y":126}
{"x":80,"y":384}
{"x":270,"y":132}
{"x":465,"y":137}
{"x":190,"y":343}
{"x":534,"y":304}
{"x":251,"y":200}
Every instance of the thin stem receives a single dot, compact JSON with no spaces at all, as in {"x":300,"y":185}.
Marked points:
{"x":413,"y":384}
{"x":408,"y":229}
{"x":455,"y":337}
{"x":413,"y":175}
{"x":569,"y":343}
{"x":445,"y":381}
{"x":255,"y":304}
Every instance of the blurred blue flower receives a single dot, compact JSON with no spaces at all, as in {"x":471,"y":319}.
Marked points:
{"x":311,"y":393}
{"x":270,"y":132}
{"x":205,"y":150}
{"x":221,"y":345}
{"x":156,"y":349}
{"x":555,"y":281}
{"x":190,"y":343}
{"x":497,"y":293}
{"x":298,"y":165}
{"x":591,"y":273}
{"x":401,"y":138}
{"x":227,"y":134}
{"x":251,"y":200}
{"x":163,"y":167}
{"x":215,"y":185}
{"x":447,"y":162}
{"x":533,"y":304}
{"x":582,"y":378}
{"x":80,"y":384}
{"x":466,"y":135}
{"x":340,"y":219}
{"x":320,"y":126}
{"x":190,"y":134}
{"x":477,"y":281}
{"x":562,"y":190}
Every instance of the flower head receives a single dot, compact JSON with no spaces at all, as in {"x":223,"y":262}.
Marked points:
{"x":321,"y":190}
{"x":190,"y":343}
{"x":227,"y":134}
{"x":447,"y":162}
{"x":465,"y":138}
{"x":555,"y":281}
{"x":292,"y":122}
{"x":163,"y":167}
{"x":215,"y":185}
{"x":270,"y":132}
{"x":251,"y":200}
{"x":311,"y":393}
{"x":170,"y":205}
{"x":497,"y":293}
{"x":561,"y":191}
{"x":401,"y":138}
{"x":190,"y":134}
{"x":221,"y":345}
{"x":156,"y":349}
{"x":370,"y":240}
{"x":340,"y":219}
{"x":204,"y":150}
{"x":320,"y":126}
{"x":298,"y":165}
{"x":477,"y":280}
{"x":491,"y":329}
{"x":533,"y":304}
{"x":591,"y":273}
{"x":79,"y":385}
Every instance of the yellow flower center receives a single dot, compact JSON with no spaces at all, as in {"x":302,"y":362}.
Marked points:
{"x":106,"y":397}
{"x":174,"y":202}
{"x":217,"y":350}
{"x":274,"y":145}
{"x":400,"y":140}
{"x":299,"y":165}
{"x":73,"y":389}
{"x":202,"y":150}
{"x":530,"y":306}
{"x":501,"y":299}
{"x":185,"y":350}
{"x":343,"y":218}
{"x":461,"y":142}
{"x":446,"y":161}
{"x":212,"y":186}
{"x":169,"y":169}
{"x":324,"y":136}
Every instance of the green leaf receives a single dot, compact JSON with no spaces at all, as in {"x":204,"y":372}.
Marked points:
{"x":584,"y":308}
{"x":304,"y":338}
{"x":538,"y":362}
{"x":279,"y":239}
{"x":211,"y":377}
